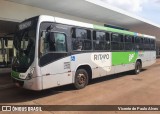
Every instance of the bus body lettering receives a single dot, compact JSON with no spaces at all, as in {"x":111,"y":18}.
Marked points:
{"x":101,"y":57}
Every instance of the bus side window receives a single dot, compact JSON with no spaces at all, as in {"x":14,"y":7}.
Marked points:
{"x":141,"y":43}
{"x":137,"y":43}
{"x":98,"y":38}
{"x":81,"y":39}
{"x":117,"y":41}
{"x":101,"y":40}
{"x":129,"y":42}
{"x":152,"y":41}
{"x":146,"y":44}
{"x":107,"y":40}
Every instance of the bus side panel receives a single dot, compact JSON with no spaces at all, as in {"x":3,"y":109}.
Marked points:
{"x":153,"y":56}
{"x":123,"y":68}
{"x":124,"y":61}
{"x":99,"y":62}
{"x":56,"y":73}
{"x":33,"y":84}
{"x":148,"y":57}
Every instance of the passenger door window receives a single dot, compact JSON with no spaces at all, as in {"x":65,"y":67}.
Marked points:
{"x":55,"y":42}
{"x":52,"y":47}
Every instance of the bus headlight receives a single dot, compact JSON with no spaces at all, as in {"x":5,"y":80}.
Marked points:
{"x":30,"y":74}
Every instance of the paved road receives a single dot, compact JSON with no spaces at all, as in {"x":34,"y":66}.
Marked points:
{"x":119,"y":89}
{"x":5,"y":76}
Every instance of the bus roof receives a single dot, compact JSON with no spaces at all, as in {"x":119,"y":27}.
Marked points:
{"x":88,"y":25}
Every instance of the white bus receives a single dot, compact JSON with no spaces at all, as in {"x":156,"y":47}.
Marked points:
{"x":52,"y":51}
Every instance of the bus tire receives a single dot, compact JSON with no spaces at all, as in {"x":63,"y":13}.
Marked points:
{"x":81,"y":79}
{"x":137,"y":67}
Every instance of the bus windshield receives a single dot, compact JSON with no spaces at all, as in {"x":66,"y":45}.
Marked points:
{"x":24,"y":42}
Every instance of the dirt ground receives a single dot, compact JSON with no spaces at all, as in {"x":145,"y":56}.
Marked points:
{"x":118,"y":89}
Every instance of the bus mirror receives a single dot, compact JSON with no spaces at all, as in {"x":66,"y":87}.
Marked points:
{"x":51,"y":36}
{"x":50,"y":27}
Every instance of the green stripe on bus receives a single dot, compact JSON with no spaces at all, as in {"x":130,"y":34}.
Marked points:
{"x":15,"y":74}
{"x":112,"y":30}
{"x":119,"y":58}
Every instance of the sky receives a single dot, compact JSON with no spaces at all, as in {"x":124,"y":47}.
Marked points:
{"x":148,"y":9}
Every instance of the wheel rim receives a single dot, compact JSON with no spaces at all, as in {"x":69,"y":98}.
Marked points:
{"x":81,"y":79}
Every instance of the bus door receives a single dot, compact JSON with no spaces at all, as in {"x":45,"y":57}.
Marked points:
{"x":55,"y":61}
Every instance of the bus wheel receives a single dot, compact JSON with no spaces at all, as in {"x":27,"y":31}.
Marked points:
{"x":137,"y":68}
{"x":81,"y":79}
